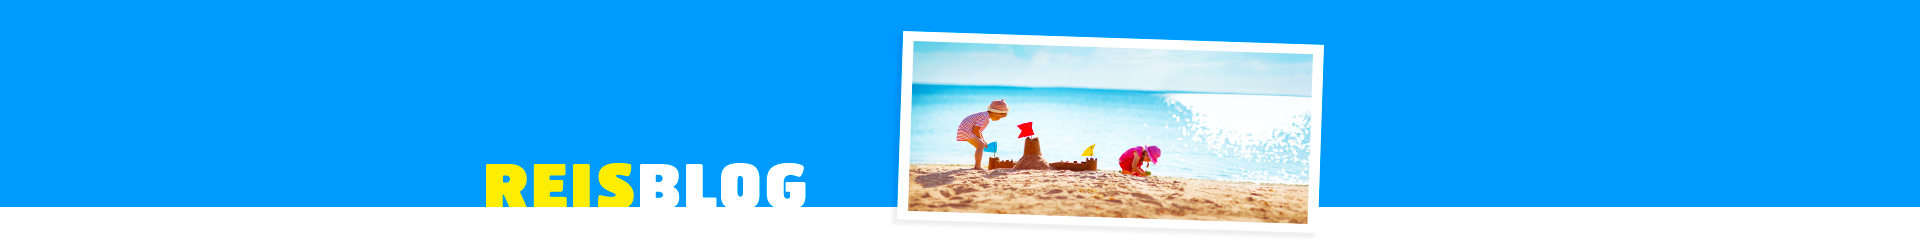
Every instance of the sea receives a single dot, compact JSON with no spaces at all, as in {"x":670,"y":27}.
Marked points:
{"x":1231,"y":137}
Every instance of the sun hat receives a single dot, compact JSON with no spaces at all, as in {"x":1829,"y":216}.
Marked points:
{"x":1153,"y":154}
{"x":998,"y":106}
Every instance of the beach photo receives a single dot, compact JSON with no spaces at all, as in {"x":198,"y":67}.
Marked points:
{"x":1094,"y":131}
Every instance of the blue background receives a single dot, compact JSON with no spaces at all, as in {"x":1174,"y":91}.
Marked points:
{"x":327,"y":103}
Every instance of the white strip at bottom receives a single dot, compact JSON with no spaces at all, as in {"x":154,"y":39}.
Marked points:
{"x":879,"y":223}
{"x":1618,"y":223}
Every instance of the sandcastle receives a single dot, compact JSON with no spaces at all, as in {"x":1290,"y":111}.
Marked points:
{"x":1089,"y":165}
{"x":996,"y":163}
{"x":1030,"y":159}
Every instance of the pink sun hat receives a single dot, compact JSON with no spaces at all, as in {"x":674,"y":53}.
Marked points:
{"x":1153,"y":154}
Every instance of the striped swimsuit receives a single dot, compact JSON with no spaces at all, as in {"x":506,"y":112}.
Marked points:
{"x":966,"y":126}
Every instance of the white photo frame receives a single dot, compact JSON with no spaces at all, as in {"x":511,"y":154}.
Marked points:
{"x":906,"y":105}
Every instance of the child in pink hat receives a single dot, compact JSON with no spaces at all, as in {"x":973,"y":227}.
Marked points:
{"x":971,"y":126}
{"x":1134,"y":161}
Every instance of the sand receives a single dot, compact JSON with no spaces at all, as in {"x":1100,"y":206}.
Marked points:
{"x":958,"y":188}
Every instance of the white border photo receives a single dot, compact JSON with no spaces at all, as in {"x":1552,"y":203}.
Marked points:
{"x":1312,"y":149}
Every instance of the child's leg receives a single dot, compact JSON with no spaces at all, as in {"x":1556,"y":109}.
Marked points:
{"x":977,"y":149}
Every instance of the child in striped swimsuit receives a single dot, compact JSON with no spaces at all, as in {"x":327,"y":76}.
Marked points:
{"x":971,"y":126}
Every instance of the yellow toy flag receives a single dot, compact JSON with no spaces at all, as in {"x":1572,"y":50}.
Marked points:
{"x":1089,"y":152}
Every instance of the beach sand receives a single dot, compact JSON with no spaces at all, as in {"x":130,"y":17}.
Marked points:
{"x":958,"y":188}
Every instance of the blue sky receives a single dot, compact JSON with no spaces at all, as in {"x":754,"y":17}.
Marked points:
{"x":1112,"y":68}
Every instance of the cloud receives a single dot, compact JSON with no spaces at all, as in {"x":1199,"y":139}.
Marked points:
{"x":1112,"y":68}
{"x":1044,"y":58}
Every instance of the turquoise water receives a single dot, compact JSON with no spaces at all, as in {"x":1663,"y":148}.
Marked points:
{"x":1253,"y":138}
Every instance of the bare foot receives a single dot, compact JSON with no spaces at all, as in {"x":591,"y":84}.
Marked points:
{"x":977,"y":168}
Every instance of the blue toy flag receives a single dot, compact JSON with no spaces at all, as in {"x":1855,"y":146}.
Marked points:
{"x":993,"y":147}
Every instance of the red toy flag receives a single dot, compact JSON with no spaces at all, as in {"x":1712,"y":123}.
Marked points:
{"x":1026,"y":129}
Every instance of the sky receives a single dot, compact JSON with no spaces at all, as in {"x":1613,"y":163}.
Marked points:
{"x":979,"y":64}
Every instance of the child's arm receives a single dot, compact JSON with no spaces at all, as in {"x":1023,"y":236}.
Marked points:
{"x":1139,"y":160}
{"x":976,"y":133}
